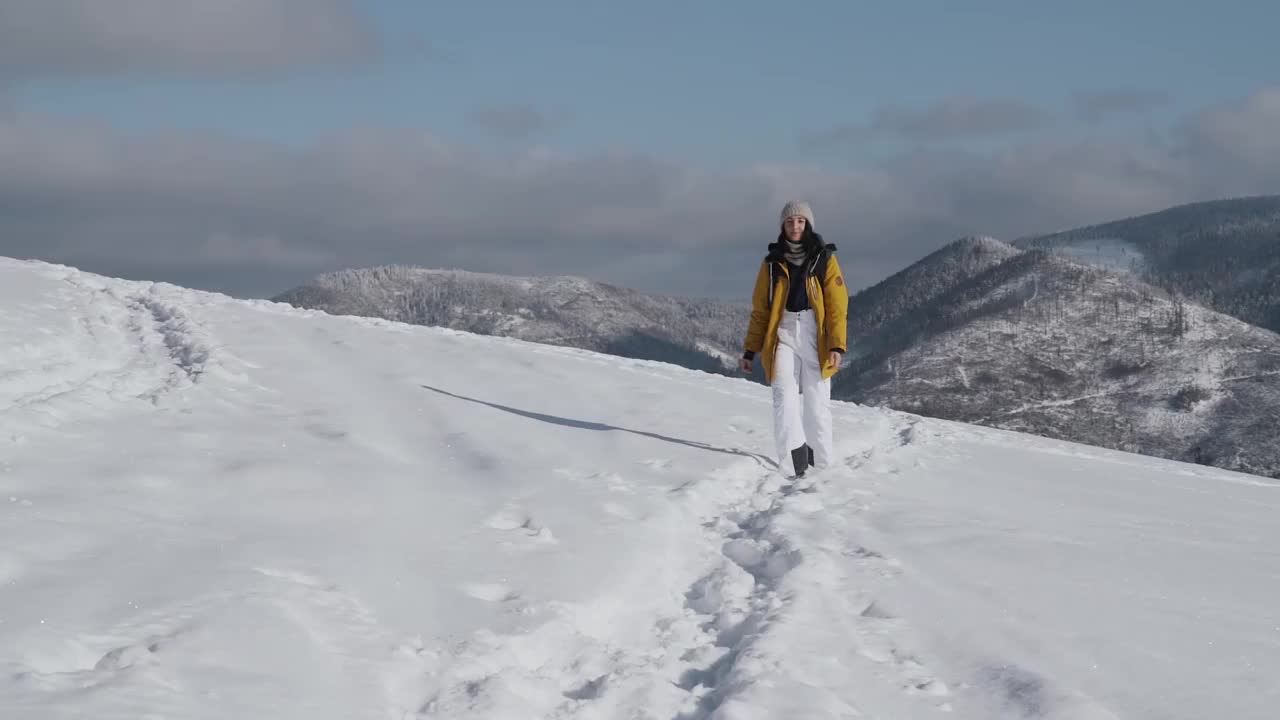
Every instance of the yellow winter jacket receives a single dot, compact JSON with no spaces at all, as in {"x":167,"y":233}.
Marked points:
{"x":829,"y":300}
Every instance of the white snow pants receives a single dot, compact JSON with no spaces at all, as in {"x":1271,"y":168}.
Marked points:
{"x":801,"y":396}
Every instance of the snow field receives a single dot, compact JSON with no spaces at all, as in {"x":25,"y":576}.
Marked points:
{"x":217,"y":509}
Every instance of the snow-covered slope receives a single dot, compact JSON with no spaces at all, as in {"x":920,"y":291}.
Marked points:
{"x":920,"y":283}
{"x":559,"y":310}
{"x":1043,"y":344}
{"x":227,"y":509}
{"x":1224,"y":254}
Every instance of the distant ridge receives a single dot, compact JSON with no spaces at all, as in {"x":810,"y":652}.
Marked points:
{"x":562,"y":310}
{"x":1067,"y":338}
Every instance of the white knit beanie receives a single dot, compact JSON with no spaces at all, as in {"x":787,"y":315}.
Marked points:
{"x":797,"y":207}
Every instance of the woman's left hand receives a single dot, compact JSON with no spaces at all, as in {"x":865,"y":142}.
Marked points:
{"x":833,"y":359}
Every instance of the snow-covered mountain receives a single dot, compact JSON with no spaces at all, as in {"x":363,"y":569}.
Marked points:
{"x":917,"y":285}
{"x":1223,"y":254}
{"x":1037,"y":342}
{"x":217,"y":508}
{"x":1059,"y":336}
{"x":567,"y":311}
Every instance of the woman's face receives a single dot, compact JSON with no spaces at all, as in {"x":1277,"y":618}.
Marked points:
{"x":794,"y":227}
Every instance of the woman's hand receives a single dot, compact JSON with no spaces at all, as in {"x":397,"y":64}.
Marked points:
{"x":745,"y":365}
{"x":833,"y":358}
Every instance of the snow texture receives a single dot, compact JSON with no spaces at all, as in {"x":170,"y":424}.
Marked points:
{"x":230,"y":509}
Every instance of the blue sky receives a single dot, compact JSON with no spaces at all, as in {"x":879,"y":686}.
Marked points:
{"x":714,"y":81}
{"x":823,"y":99}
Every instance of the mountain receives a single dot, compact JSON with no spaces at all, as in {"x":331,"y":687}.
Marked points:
{"x":1036,"y":342}
{"x":219,"y":508}
{"x":568,"y":311}
{"x":1148,"y":334}
{"x":1223,"y":254}
{"x":918,"y":285}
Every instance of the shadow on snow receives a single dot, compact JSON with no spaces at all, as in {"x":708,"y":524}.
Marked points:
{"x":603,"y":427}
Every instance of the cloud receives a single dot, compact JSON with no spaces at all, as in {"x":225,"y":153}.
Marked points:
{"x":1094,"y":106}
{"x":217,"y":211}
{"x":960,"y":117}
{"x":952,"y":118}
{"x":221,"y":248}
{"x":514,"y":121}
{"x":1235,"y":146}
{"x":91,"y":196}
{"x":228,"y":37}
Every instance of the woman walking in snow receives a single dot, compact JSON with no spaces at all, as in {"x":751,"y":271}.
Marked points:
{"x":798,"y":311}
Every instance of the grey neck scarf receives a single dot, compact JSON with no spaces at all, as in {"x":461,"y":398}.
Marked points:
{"x":795,"y":252}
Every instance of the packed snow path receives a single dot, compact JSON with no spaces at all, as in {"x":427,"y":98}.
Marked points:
{"x":223,"y":509}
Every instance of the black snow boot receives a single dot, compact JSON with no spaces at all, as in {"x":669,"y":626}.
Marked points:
{"x":810,"y":455}
{"x":800,"y":459}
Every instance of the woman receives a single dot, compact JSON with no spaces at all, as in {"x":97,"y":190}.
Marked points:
{"x":798,"y":311}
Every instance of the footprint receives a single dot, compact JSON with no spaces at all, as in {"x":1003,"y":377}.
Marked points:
{"x":514,"y":519}
{"x":590,"y":690}
{"x":908,"y":434}
{"x":766,"y":563}
{"x":661,"y":464}
{"x":914,"y":677}
{"x":607,"y":479}
{"x":877,"y":611}
{"x":491,"y":592}
{"x":929,"y":686}
{"x":126,"y":657}
{"x":875,"y":654}
{"x":618,"y":484}
{"x":858,"y":551}
{"x":324,"y":432}
{"x":509,"y":518}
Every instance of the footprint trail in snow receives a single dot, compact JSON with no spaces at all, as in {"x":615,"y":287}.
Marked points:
{"x":743,"y":580}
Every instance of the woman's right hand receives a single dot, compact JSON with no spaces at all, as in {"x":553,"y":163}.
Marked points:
{"x":745,"y":365}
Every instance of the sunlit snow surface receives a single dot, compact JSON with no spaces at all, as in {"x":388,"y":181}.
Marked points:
{"x":225,"y":509}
